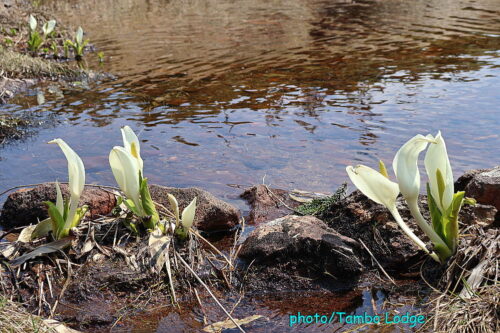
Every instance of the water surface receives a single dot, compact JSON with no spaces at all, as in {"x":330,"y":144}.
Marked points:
{"x":286,"y":92}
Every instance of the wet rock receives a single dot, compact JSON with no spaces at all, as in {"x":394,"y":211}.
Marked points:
{"x":268,"y":204}
{"x":482,"y":215}
{"x":482,"y":185}
{"x":359,"y":218}
{"x":304,"y":244}
{"x":26,"y":206}
{"x":212,"y":214}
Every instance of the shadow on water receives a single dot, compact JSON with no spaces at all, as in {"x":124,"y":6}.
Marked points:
{"x":231,"y":92}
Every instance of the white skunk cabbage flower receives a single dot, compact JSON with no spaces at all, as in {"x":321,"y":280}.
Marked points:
{"x":374,"y":185}
{"x":438,"y":167}
{"x":406,"y":168}
{"x":187,"y":218}
{"x":175,"y":208}
{"x":76,"y":172}
{"x":188,"y":215}
{"x":131,"y":144}
{"x":380,"y":189}
{"x":32,"y":23}
{"x":405,"y":165}
{"x":126,"y":171}
{"x":79,"y":35}
{"x":48,"y":27}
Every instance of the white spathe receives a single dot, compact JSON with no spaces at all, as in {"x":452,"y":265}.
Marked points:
{"x":405,"y":165}
{"x":131,"y":144}
{"x":383,"y":191}
{"x":188,"y":215}
{"x":436,"y":158}
{"x":374,"y":185}
{"x":126,"y":171}
{"x":76,"y":172}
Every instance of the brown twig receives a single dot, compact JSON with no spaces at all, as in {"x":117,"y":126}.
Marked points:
{"x":209,"y":291}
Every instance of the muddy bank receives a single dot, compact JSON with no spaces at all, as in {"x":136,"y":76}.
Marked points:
{"x":109,"y":278}
{"x":24,"y":66}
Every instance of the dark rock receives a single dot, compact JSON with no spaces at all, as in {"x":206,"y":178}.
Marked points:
{"x":268,"y":204}
{"x":304,"y":244}
{"x":212,"y":214}
{"x":482,"y":215}
{"x":26,"y":206}
{"x":482,"y":185}
{"x":358,"y":217}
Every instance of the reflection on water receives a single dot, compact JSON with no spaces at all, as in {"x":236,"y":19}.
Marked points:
{"x":230,"y":92}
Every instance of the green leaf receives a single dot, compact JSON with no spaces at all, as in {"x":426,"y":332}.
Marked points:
{"x":59,"y":199}
{"x":470,"y":201}
{"x":131,"y":206}
{"x":42,"y":228}
{"x":441,"y":185}
{"x":66,"y":210}
{"x":450,"y":220}
{"x":383,"y":169}
{"x":131,"y":226}
{"x":56,"y":218}
{"x":436,"y":215}
{"x":80,"y":213}
{"x":148,"y":205}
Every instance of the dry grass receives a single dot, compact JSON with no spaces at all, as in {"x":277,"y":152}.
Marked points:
{"x":15,"y":319}
{"x":471,"y":298}
{"x":17,"y":65}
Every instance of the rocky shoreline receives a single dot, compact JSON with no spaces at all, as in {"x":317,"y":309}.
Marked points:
{"x":284,"y":251}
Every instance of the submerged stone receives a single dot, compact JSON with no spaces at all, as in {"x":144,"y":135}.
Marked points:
{"x":267,"y":203}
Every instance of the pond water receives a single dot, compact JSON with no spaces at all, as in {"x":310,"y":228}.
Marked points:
{"x":225,"y":93}
{"x":286,"y":92}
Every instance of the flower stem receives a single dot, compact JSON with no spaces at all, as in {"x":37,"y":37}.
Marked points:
{"x":427,"y":229}
{"x":410,"y":233}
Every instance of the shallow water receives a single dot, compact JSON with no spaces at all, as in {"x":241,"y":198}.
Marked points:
{"x":230,"y":92}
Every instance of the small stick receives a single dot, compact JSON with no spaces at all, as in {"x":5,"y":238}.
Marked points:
{"x":201,"y":307}
{"x":169,"y":272}
{"x":212,"y":246}
{"x":373,"y":257}
{"x":208,"y":289}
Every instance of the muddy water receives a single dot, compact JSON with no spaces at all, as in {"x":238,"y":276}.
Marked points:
{"x":227,"y":93}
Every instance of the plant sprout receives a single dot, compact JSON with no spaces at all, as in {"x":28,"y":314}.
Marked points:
{"x":48,"y":28}
{"x":35,"y":41}
{"x":127,"y":167}
{"x":78,"y":44}
{"x":183,"y":223}
{"x":65,"y":215}
{"x":100,"y":57}
{"x":444,"y":212}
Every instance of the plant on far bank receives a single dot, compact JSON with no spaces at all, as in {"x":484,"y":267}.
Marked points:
{"x":65,"y":214}
{"x":78,"y":44}
{"x":35,"y":40}
{"x":444,"y":204}
{"x":127,"y":166}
